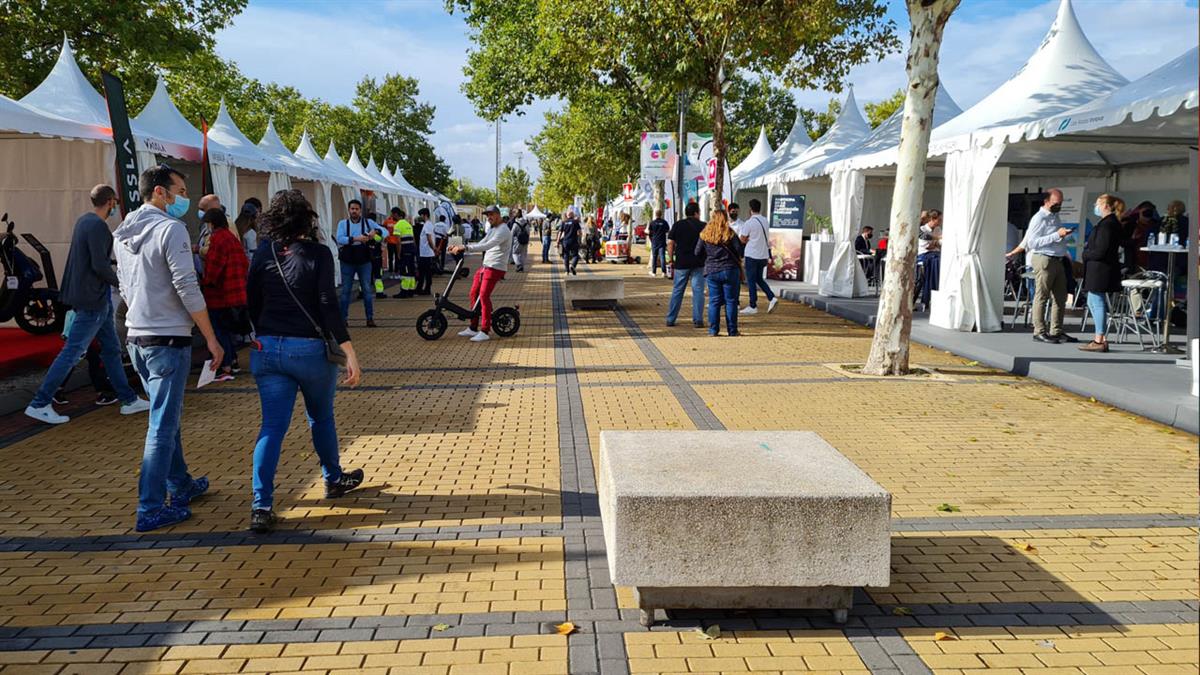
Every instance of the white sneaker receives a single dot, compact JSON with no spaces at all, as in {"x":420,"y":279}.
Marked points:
{"x":652,"y":274}
{"x":749,"y":310}
{"x":139,"y":405}
{"x":46,"y":414}
{"x":481,"y":337}
{"x":467,"y":332}
{"x":771,"y":305}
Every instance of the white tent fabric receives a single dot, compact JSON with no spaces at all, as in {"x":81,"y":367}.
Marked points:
{"x":307,"y":154}
{"x":536,"y":213}
{"x":759,"y":154}
{"x":398,"y":177}
{"x":241,"y":151}
{"x":885,"y":137}
{"x":964,"y":279}
{"x":67,"y":93}
{"x":225,"y":184}
{"x":20,"y":118}
{"x":796,"y":143}
{"x":166,"y":131}
{"x":341,"y":173}
{"x":845,"y":277}
{"x":272,"y":146}
{"x":277,"y":181}
{"x":355,"y":165}
{"x":849,"y":129}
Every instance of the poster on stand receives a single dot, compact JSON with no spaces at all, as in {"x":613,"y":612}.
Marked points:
{"x":1072,"y":217}
{"x":787,"y":238}
{"x":658,"y":155}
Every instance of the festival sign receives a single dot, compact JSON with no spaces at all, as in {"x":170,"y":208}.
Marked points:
{"x":658,"y":155}
{"x":787,"y":237}
{"x":127,"y":168}
{"x":1071,"y":216}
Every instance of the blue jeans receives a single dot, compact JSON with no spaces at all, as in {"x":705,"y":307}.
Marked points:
{"x":365,"y":283}
{"x":755,"y":279}
{"x":281,"y":367}
{"x":933,"y":269}
{"x":1098,"y":305}
{"x":164,"y":373}
{"x":658,"y":258}
{"x":86,"y":326}
{"x":683,"y":277}
{"x":545,"y":249}
{"x":723,"y":289}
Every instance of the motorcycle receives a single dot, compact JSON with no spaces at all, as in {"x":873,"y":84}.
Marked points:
{"x":36,"y":310}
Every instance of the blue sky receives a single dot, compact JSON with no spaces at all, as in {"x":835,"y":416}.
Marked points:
{"x":323,"y":48}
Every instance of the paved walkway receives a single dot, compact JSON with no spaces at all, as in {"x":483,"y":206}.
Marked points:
{"x":1072,"y":549}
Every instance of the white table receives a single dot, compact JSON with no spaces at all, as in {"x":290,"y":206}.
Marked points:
{"x":1171,"y":251}
{"x":817,"y":256}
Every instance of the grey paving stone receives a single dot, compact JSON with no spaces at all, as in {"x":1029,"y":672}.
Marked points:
{"x":996,"y":620}
{"x":99,"y":629}
{"x":871,"y":653}
{"x":346,"y":635}
{"x":513,"y":629}
{"x":118,"y":641}
{"x":16,"y":644}
{"x":614,"y":667}
{"x":324,"y":623}
{"x":169,"y":639}
{"x":215,"y":626}
{"x":47,"y":631}
{"x":434,"y":619}
{"x":379,"y":621}
{"x":402,"y":633}
{"x":583,"y":658}
{"x":277,"y":636}
{"x":272,"y":624}
{"x":245,"y":637}
{"x":161,"y":627}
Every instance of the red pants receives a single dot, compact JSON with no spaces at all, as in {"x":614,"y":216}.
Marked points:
{"x":485,"y":280}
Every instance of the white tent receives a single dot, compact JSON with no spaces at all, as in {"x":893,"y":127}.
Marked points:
{"x":351,"y":183}
{"x":759,"y":154}
{"x":886,"y":136}
{"x":535,"y":214}
{"x":16,"y":117}
{"x":167,"y":132}
{"x":848,"y":129}
{"x":324,"y":204}
{"x":272,"y":146}
{"x":67,"y":93}
{"x":796,"y":144}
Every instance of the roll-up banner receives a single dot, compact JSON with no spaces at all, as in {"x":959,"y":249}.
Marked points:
{"x":118,"y":117}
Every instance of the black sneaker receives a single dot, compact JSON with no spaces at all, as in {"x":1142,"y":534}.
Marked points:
{"x":262,"y":521}
{"x":697,"y":324}
{"x":1048,"y":339}
{"x":60,"y":398}
{"x":344,"y":483}
{"x":105,"y":398}
{"x":1063,"y":337}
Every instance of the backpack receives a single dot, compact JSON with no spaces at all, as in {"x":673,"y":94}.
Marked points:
{"x":522,"y":234}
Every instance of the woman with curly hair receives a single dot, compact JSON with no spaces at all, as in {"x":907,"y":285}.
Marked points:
{"x":722,"y":270}
{"x":293,"y":306}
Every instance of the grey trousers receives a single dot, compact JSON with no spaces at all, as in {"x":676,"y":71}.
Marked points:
{"x":1051,"y":279}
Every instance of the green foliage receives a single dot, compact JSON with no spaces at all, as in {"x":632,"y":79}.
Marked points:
{"x":463,"y":189}
{"x":877,"y":113}
{"x":397,"y":127}
{"x":513,"y":186}
{"x":751,"y":104}
{"x":818,"y":123}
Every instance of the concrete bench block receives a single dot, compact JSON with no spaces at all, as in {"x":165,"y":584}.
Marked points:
{"x":594,"y":292}
{"x":740,"y":519}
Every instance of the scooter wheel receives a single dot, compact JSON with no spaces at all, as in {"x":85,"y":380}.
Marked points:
{"x":464,"y":272}
{"x":506,"y":321}
{"x":41,"y":316}
{"x":431,"y":325}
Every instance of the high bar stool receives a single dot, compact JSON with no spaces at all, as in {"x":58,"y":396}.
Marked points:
{"x":1023,"y":297}
{"x":1132,"y":310}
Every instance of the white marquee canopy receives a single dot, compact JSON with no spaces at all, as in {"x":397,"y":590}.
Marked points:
{"x":760,"y":153}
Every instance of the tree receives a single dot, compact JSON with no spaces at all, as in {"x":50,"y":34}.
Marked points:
{"x":877,"y":113}
{"x":131,"y":38}
{"x":817,"y":123}
{"x":397,"y":128}
{"x":513,"y":187}
{"x":750,"y":104}
{"x":893,"y":325}
{"x":462,"y":189}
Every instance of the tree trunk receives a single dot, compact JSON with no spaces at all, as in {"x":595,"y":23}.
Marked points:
{"x":719,"y":144}
{"x":893,"y":325}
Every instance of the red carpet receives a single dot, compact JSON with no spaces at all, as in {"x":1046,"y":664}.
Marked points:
{"x":21,"y":352}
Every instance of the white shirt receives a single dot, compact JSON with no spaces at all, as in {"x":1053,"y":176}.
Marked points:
{"x":250,"y":241}
{"x":924,"y":244}
{"x":427,"y":239}
{"x":441,"y":229}
{"x":756,"y":230}
{"x":496,"y":247}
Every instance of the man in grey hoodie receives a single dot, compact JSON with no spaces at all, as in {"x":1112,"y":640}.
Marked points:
{"x":158,"y":282}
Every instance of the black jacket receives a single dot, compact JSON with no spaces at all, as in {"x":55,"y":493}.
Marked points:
{"x":1101,"y":257}
{"x":308,"y":271}
{"x":862,"y":244}
{"x":89,"y":276}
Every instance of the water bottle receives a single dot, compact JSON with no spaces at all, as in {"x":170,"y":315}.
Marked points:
{"x":1175,"y":239}
{"x":1162,"y":238}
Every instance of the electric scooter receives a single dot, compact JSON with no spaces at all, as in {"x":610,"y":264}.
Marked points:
{"x":36,"y":310}
{"x":431,"y":325}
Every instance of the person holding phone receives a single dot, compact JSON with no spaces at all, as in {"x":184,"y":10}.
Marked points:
{"x":1046,"y":243}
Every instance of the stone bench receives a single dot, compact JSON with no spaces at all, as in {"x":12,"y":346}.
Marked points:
{"x":732,"y":519}
{"x":594,"y":292}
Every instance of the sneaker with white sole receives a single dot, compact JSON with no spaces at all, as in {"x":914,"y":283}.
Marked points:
{"x":481,"y":337}
{"x":46,"y":414}
{"x":138,"y":405}
{"x":749,"y":310}
{"x":467,"y":332}
{"x":771,"y":305}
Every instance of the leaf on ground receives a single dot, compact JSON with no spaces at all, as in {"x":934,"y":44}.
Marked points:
{"x":440,"y":626}
{"x":1092,"y":399}
{"x":1048,"y":644}
{"x":943,"y":637}
{"x":1097,"y":544}
{"x":972,"y":363}
{"x":901,"y":611}
{"x":565,"y":628}
{"x":948,"y":508}
{"x":711,"y":633}
{"x":1029,"y":547}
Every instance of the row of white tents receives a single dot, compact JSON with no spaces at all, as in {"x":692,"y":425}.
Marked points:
{"x":56,"y":143}
{"x":1066,"y":118}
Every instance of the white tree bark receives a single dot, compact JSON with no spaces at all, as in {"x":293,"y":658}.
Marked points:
{"x":893,"y":325}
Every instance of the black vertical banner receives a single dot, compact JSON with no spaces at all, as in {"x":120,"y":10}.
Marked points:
{"x":127,"y":168}
{"x":206,"y":179}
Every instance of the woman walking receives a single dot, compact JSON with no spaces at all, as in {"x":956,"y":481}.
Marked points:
{"x":722,"y":270}
{"x":1102,"y":266}
{"x":294,"y":309}
{"x":224,"y":287}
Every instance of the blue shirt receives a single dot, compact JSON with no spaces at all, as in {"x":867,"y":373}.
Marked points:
{"x":347,"y":230}
{"x":1042,"y":236}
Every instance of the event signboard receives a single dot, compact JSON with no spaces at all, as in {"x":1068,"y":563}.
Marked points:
{"x":127,"y":168}
{"x":1072,"y":217}
{"x":658,"y":155}
{"x":787,"y":237}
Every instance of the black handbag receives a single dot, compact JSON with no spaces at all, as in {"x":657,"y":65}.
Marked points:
{"x":333,"y":351}
{"x":354,"y":254}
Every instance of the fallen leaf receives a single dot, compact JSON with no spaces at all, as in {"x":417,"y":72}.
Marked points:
{"x":972,"y":363}
{"x":943,"y":637}
{"x":1048,"y":644}
{"x":1096,"y":544}
{"x":440,"y":626}
{"x":711,"y":633}
{"x":1092,"y":399}
{"x":948,"y":508}
{"x":901,"y":611}
{"x":1028,"y":547}
{"x":565,"y":628}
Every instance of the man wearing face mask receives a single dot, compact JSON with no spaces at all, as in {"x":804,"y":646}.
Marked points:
{"x":87,"y":284}
{"x":1046,"y":243}
{"x":158,"y":282}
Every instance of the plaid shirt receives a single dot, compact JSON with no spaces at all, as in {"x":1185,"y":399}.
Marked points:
{"x":225,"y":271}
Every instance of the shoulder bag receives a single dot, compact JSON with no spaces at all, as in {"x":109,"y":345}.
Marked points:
{"x":766,"y":238}
{"x":333,"y":351}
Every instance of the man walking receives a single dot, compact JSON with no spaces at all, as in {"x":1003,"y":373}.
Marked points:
{"x":689,"y":267}
{"x":570,"y":234}
{"x":756,"y":235}
{"x":657,"y":231}
{"x":87,"y":284}
{"x":353,"y":236}
{"x":1045,"y":241}
{"x":158,"y":283}
{"x":428,"y":249}
{"x":546,"y":240}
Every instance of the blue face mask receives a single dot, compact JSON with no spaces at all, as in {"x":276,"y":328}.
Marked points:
{"x":200,"y":214}
{"x":178,"y":207}
{"x":1096,"y":210}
